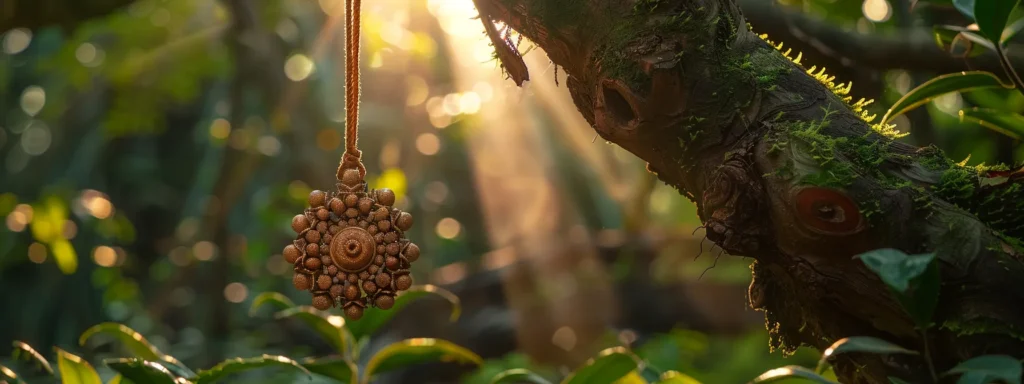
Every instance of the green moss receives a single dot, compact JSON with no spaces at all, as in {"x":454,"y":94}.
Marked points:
{"x":982,"y":326}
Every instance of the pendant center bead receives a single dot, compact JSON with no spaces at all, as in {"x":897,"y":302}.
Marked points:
{"x":353,"y":249}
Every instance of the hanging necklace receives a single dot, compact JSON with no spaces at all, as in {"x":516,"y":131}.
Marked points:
{"x":350,"y":250}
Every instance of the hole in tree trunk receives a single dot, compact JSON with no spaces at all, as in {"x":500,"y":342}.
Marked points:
{"x":617,"y":106}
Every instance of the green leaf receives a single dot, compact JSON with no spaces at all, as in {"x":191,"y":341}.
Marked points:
{"x":896,"y":268}
{"x":992,"y":15}
{"x":1007,"y":123}
{"x":966,"y":7}
{"x":610,"y":365}
{"x":236,"y":365}
{"x":987,"y":368}
{"x":913,"y":279}
{"x":136,"y":344}
{"x":329,"y":327}
{"x":519,"y":376}
{"x":277,"y":299}
{"x":26,"y":352}
{"x":791,"y":371}
{"x":957,"y":41}
{"x":374,"y":318}
{"x":415,"y":351}
{"x":116,"y":380}
{"x":141,"y":371}
{"x":860,"y":344}
{"x":75,"y":370}
{"x":896,"y":380}
{"x":1012,"y":30}
{"x":673,"y":377}
{"x":335,"y":367}
{"x":941,"y":85}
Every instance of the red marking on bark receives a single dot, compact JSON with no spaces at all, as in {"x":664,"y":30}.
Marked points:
{"x":827,"y":211}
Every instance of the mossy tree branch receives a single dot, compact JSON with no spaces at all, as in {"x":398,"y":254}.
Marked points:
{"x":784,"y":168}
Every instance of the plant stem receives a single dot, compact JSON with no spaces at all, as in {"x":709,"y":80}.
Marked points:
{"x":1008,"y":68}
{"x":928,"y":357}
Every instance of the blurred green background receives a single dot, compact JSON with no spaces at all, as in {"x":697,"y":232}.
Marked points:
{"x":152,"y":159}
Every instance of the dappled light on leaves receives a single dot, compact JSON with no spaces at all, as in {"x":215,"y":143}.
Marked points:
{"x":448,"y":228}
{"x":104,"y":256}
{"x":33,"y":98}
{"x":298,"y":67}
{"x":877,"y":10}
{"x":236,"y":292}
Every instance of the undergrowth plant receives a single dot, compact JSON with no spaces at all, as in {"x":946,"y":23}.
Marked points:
{"x":145,"y":364}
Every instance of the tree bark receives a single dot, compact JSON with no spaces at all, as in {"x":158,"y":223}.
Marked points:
{"x":786,"y":171}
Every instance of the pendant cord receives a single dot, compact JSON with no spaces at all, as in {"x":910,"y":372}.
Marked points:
{"x":351,"y":158}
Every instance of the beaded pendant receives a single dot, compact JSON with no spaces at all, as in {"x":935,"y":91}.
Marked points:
{"x":350,"y":250}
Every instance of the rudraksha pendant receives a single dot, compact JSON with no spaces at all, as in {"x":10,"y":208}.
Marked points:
{"x":351,"y":251}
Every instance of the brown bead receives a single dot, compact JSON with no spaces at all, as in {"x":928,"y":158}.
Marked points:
{"x":334,"y":229}
{"x":301,"y":281}
{"x":321,"y":227}
{"x":317,"y":198}
{"x":383,"y":280}
{"x":403,"y":282}
{"x":351,"y":200}
{"x":291,"y":253}
{"x":385,"y":197}
{"x":390,"y":237}
{"x":372,"y":229}
{"x":342,"y":275}
{"x":353,"y":278}
{"x":327,"y":238}
{"x":379,"y":260}
{"x":332,"y":270}
{"x":351,"y":178}
{"x":384,"y":225}
{"x":391,"y":262}
{"x":362,"y":224}
{"x":300,"y":223}
{"x":351,"y":292}
{"x":337,"y":290}
{"x":323,"y":282}
{"x":369,"y":286}
{"x":411,"y":252}
{"x":378,"y":237}
{"x":323,"y":214}
{"x":381,"y":249}
{"x":393,"y":249}
{"x":365,"y":205}
{"x":373,"y":269}
{"x":326,"y":259}
{"x":380,"y":214}
{"x":337,"y":206}
{"x":384,"y":301}
{"x":312,"y":236}
{"x":354,"y":312}
{"x":352,"y":222}
{"x":351,"y":213}
{"x":322,"y":302}
{"x":313,"y":249}
{"x":313,"y":263}
{"x":325,"y":249}
{"x":364,"y":275}
{"x":403,"y":221}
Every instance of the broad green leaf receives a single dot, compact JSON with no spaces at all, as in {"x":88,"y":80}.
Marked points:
{"x":966,"y":7}
{"x":992,"y":15}
{"x":116,"y":380}
{"x":75,"y":370}
{"x":896,"y":268}
{"x":1012,"y":30}
{"x":631,"y":378}
{"x":277,"y":299}
{"x":519,"y":376}
{"x":374,"y":318}
{"x":982,"y":369}
{"x":335,"y":367}
{"x":941,"y":85}
{"x":1007,"y":123}
{"x":860,"y":344}
{"x":136,"y":344}
{"x":650,"y":373}
{"x":976,"y":378}
{"x":141,"y":371}
{"x":415,"y":351}
{"x":914,"y":279}
{"x":609,"y":365}
{"x":329,"y":327}
{"x":26,"y":352}
{"x":791,"y":371}
{"x":673,"y":377}
{"x":236,"y":365}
